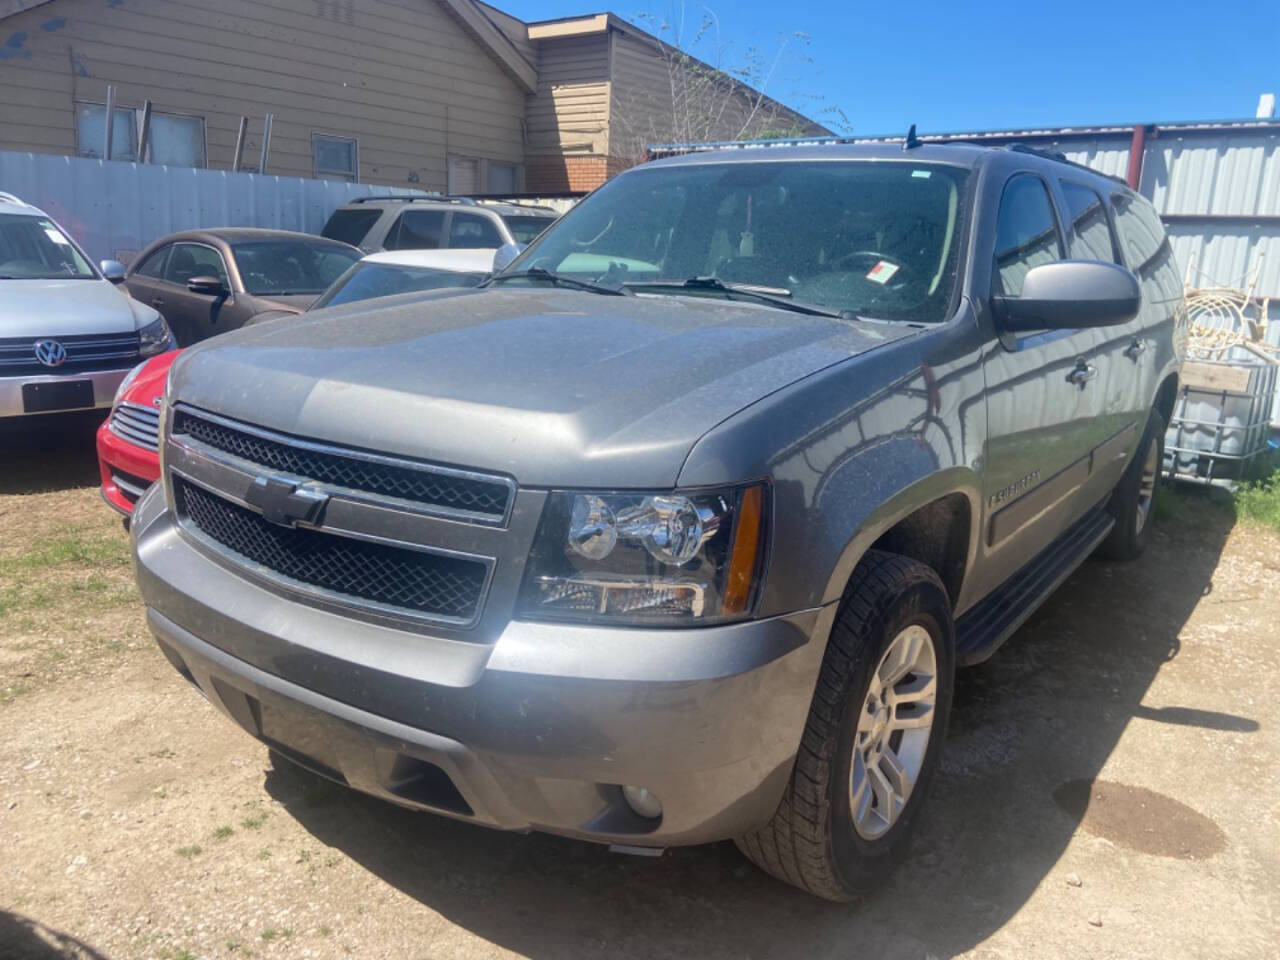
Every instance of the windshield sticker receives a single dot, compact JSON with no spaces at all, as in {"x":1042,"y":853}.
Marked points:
{"x":54,"y":234}
{"x":882,"y":272}
{"x":922,"y":174}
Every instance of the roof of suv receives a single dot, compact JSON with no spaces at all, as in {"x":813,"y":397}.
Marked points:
{"x":499,"y":207}
{"x":9,"y":203}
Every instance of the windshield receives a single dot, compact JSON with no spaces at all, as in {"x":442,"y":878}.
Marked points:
{"x":880,"y":239}
{"x":282,"y":267}
{"x":525,"y":227}
{"x":33,"y":248}
{"x":367,"y":280}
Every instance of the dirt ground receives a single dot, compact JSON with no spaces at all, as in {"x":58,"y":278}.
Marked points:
{"x":1109,"y":789}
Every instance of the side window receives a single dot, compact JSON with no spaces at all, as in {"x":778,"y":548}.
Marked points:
{"x":1146,"y":247}
{"x":1026,"y":232}
{"x":468,"y":230}
{"x":1090,"y":232}
{"x":194,"y":260}
{"x":418,"y":230}
{"x":153,"y":266}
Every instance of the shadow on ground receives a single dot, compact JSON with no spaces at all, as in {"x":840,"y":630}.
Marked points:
{"x":49,"y":452}
{"x":22,"y":938}
{"x":1047,"y":710}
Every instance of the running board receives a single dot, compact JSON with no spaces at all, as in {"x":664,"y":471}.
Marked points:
{"x":984,"y":627}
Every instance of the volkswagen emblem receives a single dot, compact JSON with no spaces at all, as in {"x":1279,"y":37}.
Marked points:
{"x":51,"y":353}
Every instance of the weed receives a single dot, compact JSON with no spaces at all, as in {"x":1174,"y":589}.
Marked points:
{"x":269,"y":933}
{"x":254,"y":822}
{"x":1258,"y":503}
{"x":331,"y":860}
{"x":324,"y":930}
{"x":264,"y":854}
{"x":304,"y":856}
{"x":223,"y":832}
{"x":189,"y":852}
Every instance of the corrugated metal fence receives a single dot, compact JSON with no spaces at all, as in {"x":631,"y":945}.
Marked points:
{"x":114,"y":209}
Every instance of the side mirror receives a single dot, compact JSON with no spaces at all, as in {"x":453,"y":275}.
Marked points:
{"x":112,"y":270}
{"x":210,"y":286}
{"x":1069,"y":294}
{"x":503,"y":256}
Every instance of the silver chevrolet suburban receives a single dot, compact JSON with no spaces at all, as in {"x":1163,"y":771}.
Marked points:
{"x":68,"y":336}
{"x":678,"y":528}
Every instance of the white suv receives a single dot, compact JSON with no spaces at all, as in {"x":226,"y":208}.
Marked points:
{"x":67,"y":335}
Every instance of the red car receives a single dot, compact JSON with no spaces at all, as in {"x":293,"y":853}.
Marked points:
{"x":129,"y":439}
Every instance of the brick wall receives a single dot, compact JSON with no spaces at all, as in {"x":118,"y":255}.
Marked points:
{"x":558,"y":174}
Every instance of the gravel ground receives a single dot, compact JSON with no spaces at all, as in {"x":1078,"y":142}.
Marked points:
{"x":1109,"y":789}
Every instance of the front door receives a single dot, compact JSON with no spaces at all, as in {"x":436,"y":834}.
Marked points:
{"x":193,"y":316}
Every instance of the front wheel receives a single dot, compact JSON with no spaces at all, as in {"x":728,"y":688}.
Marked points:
{"x":873,"y":736}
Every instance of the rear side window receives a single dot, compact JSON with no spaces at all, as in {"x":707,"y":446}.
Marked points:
{"x":525,"y":227}
{"x":153,"y":266}
{"x":1146,"y":247}
{"x":418,"y":230}
{"x":1090,"y":232}
{"x":468,"y":230}
{"x":1026,"y":232}
{"x":351,"y":226}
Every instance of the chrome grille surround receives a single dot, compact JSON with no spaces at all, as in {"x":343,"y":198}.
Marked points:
{"x":138,"y":424}
{"x":85,"y":353}
{"x":355,"y":522}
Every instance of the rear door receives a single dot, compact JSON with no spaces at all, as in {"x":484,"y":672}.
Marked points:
{"x":193,"y":316}
{"x":417,"y":230}
{"x":1045,"y":392}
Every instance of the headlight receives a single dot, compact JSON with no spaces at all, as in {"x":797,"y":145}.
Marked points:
{"x":683,"y":558}
{"x":154,"y":338}
{"x":127,"y":382}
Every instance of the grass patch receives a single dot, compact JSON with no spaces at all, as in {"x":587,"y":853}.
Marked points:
{"x":222,"y":832}
{"x":254,"y":822}
{"x":188,"y":852}
{"x":1258,"y":503}
{"x":69,"y":547}
{"x":264,"y":854}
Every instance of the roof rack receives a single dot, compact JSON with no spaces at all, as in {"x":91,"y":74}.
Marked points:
{"x":415,"y":198}
{"x":1060,"y":157}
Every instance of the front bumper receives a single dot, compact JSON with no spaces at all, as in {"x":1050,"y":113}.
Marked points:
{"x":104,"y":382}
{"x":535,"y":731}
{"x":126,"y":469}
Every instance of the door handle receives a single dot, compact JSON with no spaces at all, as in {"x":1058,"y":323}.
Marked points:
{"x":1135,"y":349}
{"x":1082,"y":374}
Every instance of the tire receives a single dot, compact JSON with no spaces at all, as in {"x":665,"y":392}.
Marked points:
{"x":1133,"y":502}
{"x":812,"y":840}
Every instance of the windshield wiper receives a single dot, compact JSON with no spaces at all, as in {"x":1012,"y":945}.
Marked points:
{"x":559,"y":280}
{"x":774,"y":296}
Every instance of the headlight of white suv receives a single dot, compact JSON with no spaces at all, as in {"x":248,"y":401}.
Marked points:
{"x":680,"y":559}
{"x":154,"y":338}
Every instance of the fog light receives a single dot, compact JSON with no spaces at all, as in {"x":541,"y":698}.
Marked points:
{"x":642,"y":802}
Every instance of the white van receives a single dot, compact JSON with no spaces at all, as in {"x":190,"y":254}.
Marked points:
{"x":67,"y":335}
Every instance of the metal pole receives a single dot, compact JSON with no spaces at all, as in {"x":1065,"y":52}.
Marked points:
{"x":240,"y":137}
{"x":111,"y":121}
{"x":1137,"y":148}
{"x":144,"y":138}
{"x":266,"y":143}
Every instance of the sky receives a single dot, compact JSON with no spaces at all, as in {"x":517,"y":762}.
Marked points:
{"x":960,"y":66}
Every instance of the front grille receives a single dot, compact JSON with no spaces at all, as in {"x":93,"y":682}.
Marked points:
{"x":85,"y":353}
{"x":423,"y":583}
{"x":437,"y":487}
{"x":138,"y":424}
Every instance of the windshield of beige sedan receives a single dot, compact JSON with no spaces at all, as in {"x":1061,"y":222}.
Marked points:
{"x":878,"y":239}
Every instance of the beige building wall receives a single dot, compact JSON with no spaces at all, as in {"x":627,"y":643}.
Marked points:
{"x":568,"y":118}
{"x":404,"y":78}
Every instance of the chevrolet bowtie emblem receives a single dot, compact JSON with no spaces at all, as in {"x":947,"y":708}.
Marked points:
{"x":286,"y":502}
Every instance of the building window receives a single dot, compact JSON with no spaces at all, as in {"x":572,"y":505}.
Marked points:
{"x":175,"y":139}
{"x":91,"y":132}
{"x":502,"y":178}
{"x":464,"y":176}
{"x":335,"y":158}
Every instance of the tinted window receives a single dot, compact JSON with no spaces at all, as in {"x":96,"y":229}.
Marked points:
{"x":367,"y":280}
{"x":283,"y":267}
{"x":1026,"y":232}
{"x":33,"y":248}
{"x":879,"y":239}
{"x":194,"y":260}
{"x":1090,"y":231}
{"x":468,"y":230}
{"x":418,"y":230}
{"x":1146,"y":247}
{"x":524,"y":228}
{"x":153,"y":266}
{"x":351,"y":226}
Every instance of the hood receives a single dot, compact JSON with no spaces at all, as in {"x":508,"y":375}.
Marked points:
{"x":64,"y":308}
{"x":555,"y":387}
